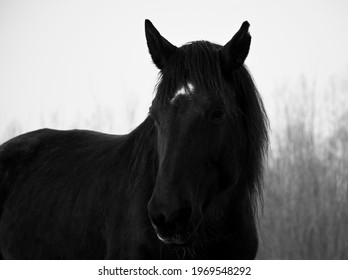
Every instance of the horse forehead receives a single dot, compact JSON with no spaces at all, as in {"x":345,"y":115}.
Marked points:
{"x":184,"y":90}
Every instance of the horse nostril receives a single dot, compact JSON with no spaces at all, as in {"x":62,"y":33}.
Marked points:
{"x":158,"y":220}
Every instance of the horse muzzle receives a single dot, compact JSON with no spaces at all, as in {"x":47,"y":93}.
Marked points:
{"x":173,"y":225}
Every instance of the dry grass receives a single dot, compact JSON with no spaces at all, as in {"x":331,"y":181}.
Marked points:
{"x":305,"y":214}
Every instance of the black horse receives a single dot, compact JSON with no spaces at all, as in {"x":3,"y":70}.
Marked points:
{"x":184,"y":184}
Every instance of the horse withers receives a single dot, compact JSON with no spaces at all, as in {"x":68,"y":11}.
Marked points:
{"x":184,"y":184}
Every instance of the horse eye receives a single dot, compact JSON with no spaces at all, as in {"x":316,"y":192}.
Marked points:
{"x":217,"y":115}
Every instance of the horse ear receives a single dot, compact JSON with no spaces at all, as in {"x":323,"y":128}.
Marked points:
{"x":159,"y":48}
{"x":233,"y":54}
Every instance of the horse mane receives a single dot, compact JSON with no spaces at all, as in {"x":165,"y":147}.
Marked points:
{"x":256,"y":126}
{"x":197,"y":62}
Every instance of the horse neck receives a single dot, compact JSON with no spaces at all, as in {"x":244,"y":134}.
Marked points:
{"x":143,"y":158}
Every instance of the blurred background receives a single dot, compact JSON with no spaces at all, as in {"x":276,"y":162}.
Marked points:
{"x":85,"y":64}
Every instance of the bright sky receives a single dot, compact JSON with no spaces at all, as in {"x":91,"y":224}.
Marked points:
{"x":84,"y":64}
